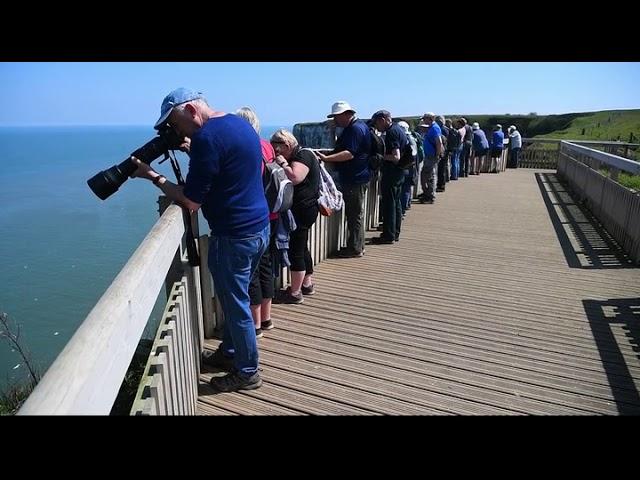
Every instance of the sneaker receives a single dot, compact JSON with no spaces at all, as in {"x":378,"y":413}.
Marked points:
{"x":266,"y":325}
{"x":232,"y":382}
{"x":217,"y":359}
{"x":259,"y":333}
{"x":308,"y":291}
{"x":288,"y":297}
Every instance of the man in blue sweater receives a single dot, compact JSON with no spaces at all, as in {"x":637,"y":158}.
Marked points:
{"x":224,"y":179}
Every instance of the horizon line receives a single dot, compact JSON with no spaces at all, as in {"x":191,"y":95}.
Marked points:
{"x":318,"y":121}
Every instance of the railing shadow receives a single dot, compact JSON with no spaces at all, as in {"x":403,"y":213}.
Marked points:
{"x":608,"y":318}
{"x":584,"y":242}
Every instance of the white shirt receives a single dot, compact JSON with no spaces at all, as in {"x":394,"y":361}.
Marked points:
{"x":515,"y":139}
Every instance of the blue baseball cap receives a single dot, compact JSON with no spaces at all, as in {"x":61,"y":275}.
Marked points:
{"x":177,"y":97}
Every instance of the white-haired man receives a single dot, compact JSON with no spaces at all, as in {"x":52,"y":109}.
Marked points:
{"x":515,"y":145}
{"x":224,"y":179}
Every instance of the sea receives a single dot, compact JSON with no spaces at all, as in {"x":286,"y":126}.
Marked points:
{"x":60,"y":245}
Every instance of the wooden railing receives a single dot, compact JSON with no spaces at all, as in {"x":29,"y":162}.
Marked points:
{"x":86,"y":377}
{"x":616,"y":207}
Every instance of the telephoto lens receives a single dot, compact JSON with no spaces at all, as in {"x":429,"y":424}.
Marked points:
{"x":106,"y":183}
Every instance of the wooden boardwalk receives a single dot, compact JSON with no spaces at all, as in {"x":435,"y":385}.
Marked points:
{"x":502,"y":298}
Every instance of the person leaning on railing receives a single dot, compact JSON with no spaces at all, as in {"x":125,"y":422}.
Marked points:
{"x":302,"y":168}
{"x":351,"y":157}
{"x":224,"y":179}
{"x":515,"y":145}
{"x":480,"y":149}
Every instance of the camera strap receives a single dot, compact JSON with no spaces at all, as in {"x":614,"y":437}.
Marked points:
{"x":192,"y":251}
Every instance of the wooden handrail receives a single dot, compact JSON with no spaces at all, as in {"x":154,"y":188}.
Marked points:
{"x":86,"y":377}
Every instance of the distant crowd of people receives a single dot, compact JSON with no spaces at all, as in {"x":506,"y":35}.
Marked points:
{"x":249,"y":240}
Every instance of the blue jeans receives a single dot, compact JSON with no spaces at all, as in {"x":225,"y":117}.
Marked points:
{"x":405,"y":195}
{"x":455,"y":163}
{"x":232,"y":261}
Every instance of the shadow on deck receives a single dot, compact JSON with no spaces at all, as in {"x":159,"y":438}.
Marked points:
{"x":584,"y":242}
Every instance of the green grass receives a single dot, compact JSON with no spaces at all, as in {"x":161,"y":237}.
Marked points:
{"x":608,"y":125}
{"x":625,"y":179}
{"x":629,"y":181}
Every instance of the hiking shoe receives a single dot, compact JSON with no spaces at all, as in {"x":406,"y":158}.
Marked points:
{"x":232,"y":382}
{"x":348,"y":253}
{"x":288,"y":297}
{"x":266,"y":325}
{"x":259,"y":333}
{"x":217,"y":359}
{"x":382,"y":241}
{"x":308,"y":291}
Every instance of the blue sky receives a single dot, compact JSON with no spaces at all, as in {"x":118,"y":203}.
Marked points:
{"x":286,"y":93}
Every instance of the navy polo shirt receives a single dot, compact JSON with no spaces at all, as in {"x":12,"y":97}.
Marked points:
{"x":355,"y":138}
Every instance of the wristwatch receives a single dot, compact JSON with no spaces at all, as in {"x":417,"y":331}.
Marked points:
{"x":156,"y":181}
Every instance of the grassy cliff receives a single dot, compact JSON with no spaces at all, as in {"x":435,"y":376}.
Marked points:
{"x":607,"y":125}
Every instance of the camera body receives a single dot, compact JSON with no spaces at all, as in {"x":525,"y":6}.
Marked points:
{"x":106,"y":183}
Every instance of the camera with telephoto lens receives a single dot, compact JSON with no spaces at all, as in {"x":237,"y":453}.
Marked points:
{"x":106,"y":183}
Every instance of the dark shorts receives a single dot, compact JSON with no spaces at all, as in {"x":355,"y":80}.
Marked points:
{"x":496,"y":152}
{"x":481,"y":153}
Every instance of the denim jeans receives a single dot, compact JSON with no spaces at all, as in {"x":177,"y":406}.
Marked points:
{"x":514,"y":160}
{"x":405,"y":196}
{"x":232,"y":261}
{"x":455,"y":163}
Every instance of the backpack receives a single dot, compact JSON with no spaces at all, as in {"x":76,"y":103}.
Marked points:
{"x":376,"y":153}
{"x":420,"y":144}
{"x":406,"y":157}
{"x":454,"y":140}
{"x":278,"y":189}
{"x":330,"y":199}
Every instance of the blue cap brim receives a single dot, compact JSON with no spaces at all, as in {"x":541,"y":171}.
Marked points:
{"x":162,"y":120}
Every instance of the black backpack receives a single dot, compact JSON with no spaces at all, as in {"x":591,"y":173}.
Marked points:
{"x":278,"y":189}
{"x":406,"y":157}
{"x":454,"y":140}
{"x":376,"y":153}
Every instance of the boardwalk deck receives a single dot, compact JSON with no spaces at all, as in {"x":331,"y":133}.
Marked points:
{"x":502,"y":298}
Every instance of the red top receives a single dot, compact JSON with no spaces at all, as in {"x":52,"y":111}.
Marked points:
{"x":269,"y":154}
